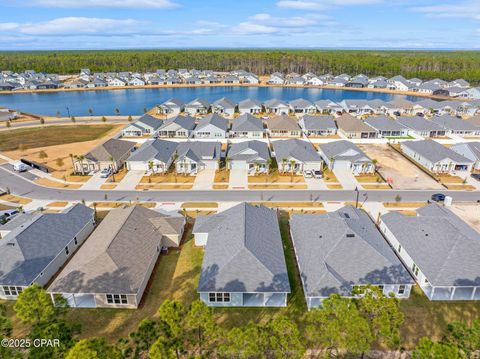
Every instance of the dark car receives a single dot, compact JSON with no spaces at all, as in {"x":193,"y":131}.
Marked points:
{"x":438,"y":197}
{"x":476,"y":176}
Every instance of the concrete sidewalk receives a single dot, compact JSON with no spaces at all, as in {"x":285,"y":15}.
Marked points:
{"x":347,"y":179}
{"x":95,"y":182}
{"x":204,"y":180}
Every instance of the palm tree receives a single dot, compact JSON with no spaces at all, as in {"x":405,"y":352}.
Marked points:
{"x":257,"y":167}
{"x":81,"y":158}
{"x":284,"y":164}
{"x":113,"y":168}
{"x":73,"y":163}
{"x":292,"y":167}
{"x":269,"y":164}
{"x":150,"y":167}
{"x":227,"y":162}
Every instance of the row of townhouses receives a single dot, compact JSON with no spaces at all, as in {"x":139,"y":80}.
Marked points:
{"x":109,"y":265}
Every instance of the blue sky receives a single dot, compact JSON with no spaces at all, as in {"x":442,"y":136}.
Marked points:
{"x":113,"y":24}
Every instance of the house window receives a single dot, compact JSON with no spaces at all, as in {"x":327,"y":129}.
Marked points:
{"x":381,"y":287}
{"x":219,"y":297}
{"x":415,"y":269}
{"x":67,"y":251}
{"x":401,"y":289}
{"x":399,"y":248}
{"x":11,"y":290}
{"x":75,"y":241}
{"x":117,"y":299}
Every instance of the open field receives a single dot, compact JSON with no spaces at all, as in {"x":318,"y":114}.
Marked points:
{"x":404,"y":174}
{"x":470,"y":213}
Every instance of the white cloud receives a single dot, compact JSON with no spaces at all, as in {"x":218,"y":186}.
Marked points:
{"x":466,"y":9}
{"x":156,"y":4}
{"x":250,"y":28}
{"x":323,"y":4}
{"x":294,"y":21}
{"x":72,"y":26}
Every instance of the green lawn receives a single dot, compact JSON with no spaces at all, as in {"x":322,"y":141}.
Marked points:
{"x":176,"y":277}
{"x":51,"y":136}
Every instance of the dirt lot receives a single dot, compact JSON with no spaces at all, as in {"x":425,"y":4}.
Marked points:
{"x":393,"y":165}
{"x":470,"y":213}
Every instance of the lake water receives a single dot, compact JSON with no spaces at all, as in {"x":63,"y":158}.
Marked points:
{"x":134,"y":101}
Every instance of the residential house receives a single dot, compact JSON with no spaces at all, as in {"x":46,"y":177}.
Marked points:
{"x":111,"y":154}
{"x":345,"y":156}
{"x":171,"y":107}
{"x":231,"y":80}
{"x":117,"y":82}
{"x":421,"y":127}
{"x":197,"y":107}
{"x":435,"y":157}
{"x":283,"y":126}
{"x":296,"y":156}
{"x":211,"y":126}
{"x":332,"y":250}
{"x":387,"y":127}
{"x":37,"y":245}
{"x":247,"y":126}
{"x":470,"y":150}
{"x":155,"y":156}
{"x":401,"y":107}
{"x":250,"y":106}
{"x":193,"y":157}
{"x":145,"y":126}
{"x":352,"y":127}
{"x":252,"y":156}
{"x":224,"y":106}
{"x":456,"y":126}
{"x":177,"y":127}
{"x":136,"y":81}
{"x":301,"y":106}
{"x":318,"y":126}
{"x":113,"y":267}
{"x":440,"y":250}
{"x":277,"y":107}
{"x":276,"y":79}
{"x":327,"y":107}
{"x":357,"y":107}
{"x":244,"y":263}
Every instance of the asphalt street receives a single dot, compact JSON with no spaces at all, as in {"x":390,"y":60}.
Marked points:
{"x":20,"y":186}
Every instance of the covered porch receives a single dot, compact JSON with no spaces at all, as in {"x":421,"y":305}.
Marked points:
{"x":264,"y":299}
{"x":452,"y":293}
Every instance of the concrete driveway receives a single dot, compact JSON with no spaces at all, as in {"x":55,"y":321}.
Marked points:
{"x":130,"y":181}
{"x":238,"y":179}
{"x":95,"y":182}
{"x":347,"y":179}
{"x":204,"y":180}
{"x":315,"y":183}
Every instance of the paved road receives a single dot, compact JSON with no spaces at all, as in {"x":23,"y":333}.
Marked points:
{"x":59,"y":122}
{"x":22,"y":187}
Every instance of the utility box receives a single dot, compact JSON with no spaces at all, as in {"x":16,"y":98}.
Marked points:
{"x":448,"y":201}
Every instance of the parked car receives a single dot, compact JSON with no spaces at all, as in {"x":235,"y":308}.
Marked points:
{"x":106,"y":172}
{"x":5,"y":216}
{"x":476,"y":176}
{"x":307,"y":174}
{"x":20,"y":167}
{"x":438,"y":197}
{"x":318,"y":174}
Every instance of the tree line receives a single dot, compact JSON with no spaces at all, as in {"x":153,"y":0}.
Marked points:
{"x":447,"y":65}
{"x":342,"y":327}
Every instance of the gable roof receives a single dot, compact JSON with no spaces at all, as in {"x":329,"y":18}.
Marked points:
{"x":247,"y":122}
{"x":249,"y":103}
{"x":117,"y":256}
{"x":27,"y":250}
{"x":434,"y":151}
{"x":250,"y":151}
{"x":112,"y":147}
{"x":283,"y":122}
{"x":198,"y":102}
{"x":341,"y":249}
{"x":343,"y":150}
{"x":275,"y":103}
{"x":295,"y":148}
{"x":179,"y":122}
{"x":453,"y":123}
{"x":214,"y":120}
{"x":473,"y":147}
{"x":300,"y":103}
{"x":309,"y":122}
{"x":198,"y":151}
{"x":348,"y":123}
{"x":160,"y":150}
{"x":419,"y":123}
{"x":443,"y":246}
{"x":225,"y":103}
{"x":149,"y":121}
{"x":382,"y":123}
{"x":174,"y":101}
{"x":244,"y":252}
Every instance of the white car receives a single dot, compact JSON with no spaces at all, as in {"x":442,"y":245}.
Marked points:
{"x":317,"y":174}
{"x":106,"y":172}
{"x":20,"y":167}
{"x":308,"y":174}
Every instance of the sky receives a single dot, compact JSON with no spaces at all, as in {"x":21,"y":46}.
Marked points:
{"x":128,"y":24}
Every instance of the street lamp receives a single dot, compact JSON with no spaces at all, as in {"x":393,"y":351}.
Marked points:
{"x":358,"y":194}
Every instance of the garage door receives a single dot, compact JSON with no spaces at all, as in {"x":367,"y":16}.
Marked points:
{"x":136,"y":166}
{"x":341,"y":165}
{"x":238,"y":165}
{"x":211,"y":165}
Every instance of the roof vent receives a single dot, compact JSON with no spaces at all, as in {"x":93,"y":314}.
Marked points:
{"x":346,"y":215}
{"x":11,"y":244}
{"x":350,"y":235}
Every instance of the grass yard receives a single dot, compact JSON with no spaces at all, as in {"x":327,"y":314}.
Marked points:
{"x":57,"y":204}
{"x":369,"y":178}
{"x":404,"y":204}
{"x":448,"y":179}
{"x":188,"y":205}
{"x":222,"y":176}
{"x":277,"y":186}
{"x":108,"y":186}
{"x":289,"y":204}
{"x":4,"y":207}
{"x":14,"y":199}
{"x":460,"y":187}
{"x":49,"y":183}
{"x":334,"y":186}
{"x":121,"y":204}
{"x":329,"y":176}
{"x":220,"y":186}
{"x":197,"y":213}
{"x":145,"y":187}
{"x":276,"y":177}
{"x":50,"y":136}
{"x":169,"y":177}
{"x":376,"y":186}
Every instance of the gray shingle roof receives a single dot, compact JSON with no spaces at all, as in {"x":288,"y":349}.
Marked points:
{"x":283,"y":122}
{"x":300,"y":103}
{"x":453,"y":123}
{"x":474,"y":148}
{"x":247,"y":122}
{"x":295,"y":148}
{"x":150,"y":121}
{"x":309,"y":122}
{"x":250,"y":151}
{"x":341,"y":249}
{"x":244,"y":252}
{"x":113,"y":147}
{"x":348,"y":123}
{"x":249,"y":103}
{"x":29,"y":248}
{"x":434,"y":151}
{"x":179,"y":122}
{"x":160,"y":150}
{"x":343,"y":150}
{"x":445,"y":248}
{"x":225,"y":103}
{"x":197,"y":151}
{"x":213,"y":119}
{"x":116,"y":257}
{"x":382,"y":123}
{"x":419,"y":124}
